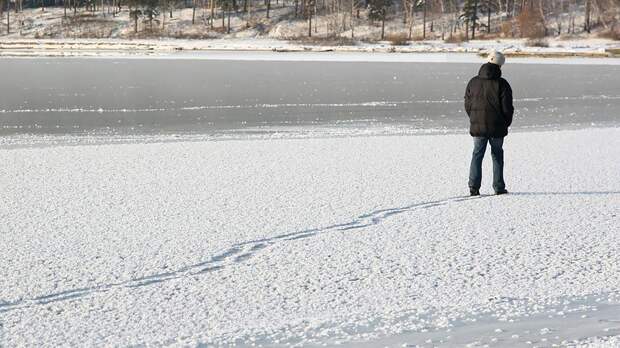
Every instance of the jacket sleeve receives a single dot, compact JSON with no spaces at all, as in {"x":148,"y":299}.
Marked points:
{"x":468,"y":99}
{"x":506,"y":100}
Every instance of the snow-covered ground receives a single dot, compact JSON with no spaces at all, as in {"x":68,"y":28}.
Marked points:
{"x":115,"y":47}
{"x":318,"y":241}
{"x":48,"y":33}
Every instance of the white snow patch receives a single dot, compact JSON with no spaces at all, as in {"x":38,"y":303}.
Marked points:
{"x":303,"y":241}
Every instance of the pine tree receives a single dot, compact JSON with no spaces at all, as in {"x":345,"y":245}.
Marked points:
{"x":377,"y":10}
{"x":150,"y":10}
{"x":488,"y":6}
{"x":470,"y":15}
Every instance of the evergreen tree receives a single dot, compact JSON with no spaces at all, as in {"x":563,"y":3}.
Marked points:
{"x":150,"y":10}
{"x":377,"y":10}
{"x":488,"y":6}
{"x":470,"y":15}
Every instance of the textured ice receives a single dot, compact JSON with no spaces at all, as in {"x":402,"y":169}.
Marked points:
{"x":152,"y":96}
{"x":347,"y":240}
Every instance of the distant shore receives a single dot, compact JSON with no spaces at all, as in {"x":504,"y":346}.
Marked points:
{"x":599,"y":48}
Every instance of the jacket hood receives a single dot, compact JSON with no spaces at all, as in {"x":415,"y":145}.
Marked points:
{"x":490,"y":71}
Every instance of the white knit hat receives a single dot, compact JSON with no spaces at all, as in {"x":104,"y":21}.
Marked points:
{"x":497,"y":58}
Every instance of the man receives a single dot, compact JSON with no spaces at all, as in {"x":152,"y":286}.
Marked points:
{"x":488,"y":102}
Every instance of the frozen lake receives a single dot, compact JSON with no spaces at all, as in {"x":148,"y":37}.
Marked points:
{"x":356,"y":241}
{"x":261,"y":92}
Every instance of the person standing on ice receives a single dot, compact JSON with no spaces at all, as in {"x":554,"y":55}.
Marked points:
{"x":488,"y":102}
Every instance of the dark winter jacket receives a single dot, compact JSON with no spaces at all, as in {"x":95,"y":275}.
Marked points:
{"x":488,"y":102}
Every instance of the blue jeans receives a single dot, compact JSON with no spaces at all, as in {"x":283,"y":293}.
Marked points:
{"x":497,"y":153}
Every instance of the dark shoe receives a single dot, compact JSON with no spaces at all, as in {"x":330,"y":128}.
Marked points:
{"x":501,"y":192}
{"x":474,"y":192}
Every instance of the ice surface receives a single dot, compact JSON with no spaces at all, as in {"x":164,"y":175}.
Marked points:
{"x":215,"y":97}
{"x":309,"y":241}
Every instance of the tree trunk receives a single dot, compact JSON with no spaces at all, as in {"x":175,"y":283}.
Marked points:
{"x":212,"y":12}
{"x":586,"y":26}
{"x":473,"y":27}
{"x":411,"y":19}
{"x":424,"y":23}
{"x":193,"y":12}
{"x":229,"y":10}
{"x":466,"y":30}
{"x":352,"y":19}
{"x":383,"y":24}
{"x":268,"y":7}
{"x":488,"y":19}
{"x":309,"y":24}
{"x":314,"y":10}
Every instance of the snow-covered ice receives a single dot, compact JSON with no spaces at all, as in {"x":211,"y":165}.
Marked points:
{"x":343,"y":240}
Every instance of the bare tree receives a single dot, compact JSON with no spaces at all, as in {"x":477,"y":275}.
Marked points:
{"x":8,"y":17}
{"x":212,"y":3}
{"x":424,"y":19}
{"x":249,"y":9}
{"x":352,"y":19}
{"x":410,"y":10}
{"x":586,"y":24}
{"x":193,"y":11}
{"x":228,"y":8}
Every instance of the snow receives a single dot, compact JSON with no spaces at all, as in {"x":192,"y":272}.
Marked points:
{"x":48,"y":33}
{"x":258,"y":50}
{"x":341,"y":240}
{"x":596,"y":48}
{"x":600,"y":342}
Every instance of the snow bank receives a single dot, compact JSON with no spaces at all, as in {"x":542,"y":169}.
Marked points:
{"x":342,"y":240}
{"x":260,"y":50}
{"x":593,"y":48}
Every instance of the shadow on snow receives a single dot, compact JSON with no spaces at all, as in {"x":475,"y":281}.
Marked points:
{"x":243,"y":251}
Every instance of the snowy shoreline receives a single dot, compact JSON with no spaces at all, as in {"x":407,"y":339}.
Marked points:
{"x":517,"y":48}
{"x":273,"y":242}
{"x":269,"y":133}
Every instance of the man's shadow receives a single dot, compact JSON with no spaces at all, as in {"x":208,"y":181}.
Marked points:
{"x":241,"y":252}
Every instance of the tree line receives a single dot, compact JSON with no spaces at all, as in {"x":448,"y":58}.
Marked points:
{"x":465,"y":19}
